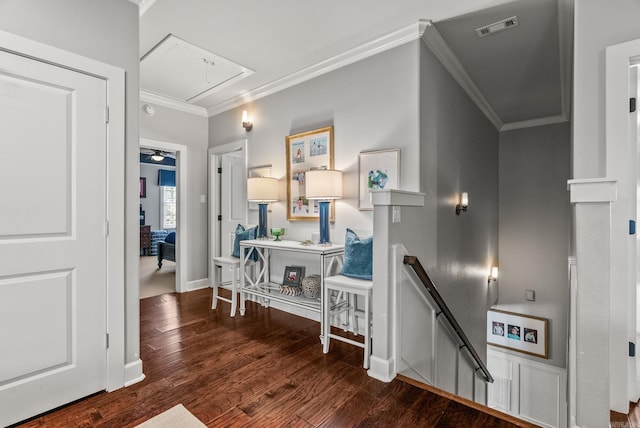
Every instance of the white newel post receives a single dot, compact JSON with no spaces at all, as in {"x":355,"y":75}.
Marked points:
{"x":383,"y":353}
{"x":589,"y":365}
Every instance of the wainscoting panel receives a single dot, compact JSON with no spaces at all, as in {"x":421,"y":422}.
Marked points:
{"x":528,"y":389}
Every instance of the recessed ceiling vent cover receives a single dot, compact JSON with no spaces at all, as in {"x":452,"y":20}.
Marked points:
{"x":496,"y":27}
{"x":177,"y":69}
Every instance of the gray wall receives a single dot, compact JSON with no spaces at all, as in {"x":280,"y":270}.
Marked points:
{"x":372,"y":104}
{"x":106,"y":31}
{"x":173,"y":126}
{"x":534,"y":228}
{"x":458,"y":153}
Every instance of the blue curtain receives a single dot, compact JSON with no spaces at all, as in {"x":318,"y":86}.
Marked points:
{"x":166,"y":178}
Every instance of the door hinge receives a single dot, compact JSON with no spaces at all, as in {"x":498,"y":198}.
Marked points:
{"x":632,"y":227}
{"x":632,"y":105}
{"x":106,"y":114}
{"x":107,"y":340}
{"x":219,"y":217}
{"x":106,"y":228}
{"x":219,"y":170}
{"x":632,"y":349}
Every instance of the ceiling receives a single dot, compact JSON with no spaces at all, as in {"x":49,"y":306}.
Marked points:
{"x":518,"y":77}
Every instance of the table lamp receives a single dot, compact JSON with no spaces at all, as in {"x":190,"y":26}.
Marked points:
{"x":323,"y":185}
{"x":262,"y":190}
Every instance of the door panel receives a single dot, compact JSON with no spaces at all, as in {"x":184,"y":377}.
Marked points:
{"x":233,"y":202}
{"x":52,"y":236}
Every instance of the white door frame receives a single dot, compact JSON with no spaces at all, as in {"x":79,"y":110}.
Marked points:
{"x":214,"y":196}
{"x":181,"y":226}
{"x":115,"y":263}
{"x":621,"y":158}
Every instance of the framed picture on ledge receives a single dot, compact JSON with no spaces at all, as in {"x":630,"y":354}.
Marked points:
{"x":377,"y":170}
{"x":518,"y":332}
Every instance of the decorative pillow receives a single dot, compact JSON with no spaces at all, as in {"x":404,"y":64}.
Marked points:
{"x":242,"y":235}
{"x":170,"y":238}
{"x":358,"y":256}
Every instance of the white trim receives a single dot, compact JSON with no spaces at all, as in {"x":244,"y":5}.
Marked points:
{"x":399,"y":37}
{"x":593,"y":190}
{"x":115,"y":293}
{"x":214,"y":154}
{"x":621,"y":157}
{"x":450,"y":61}
{"x":398,"y":198}
{"x":149,"y":97}
{"x":133,"y":373}
{"x":198,"y":284}
{"x":383,"y":370}
{"x":549,"y":120}
{"x":182,"y":229}
{"x":565,"y":36}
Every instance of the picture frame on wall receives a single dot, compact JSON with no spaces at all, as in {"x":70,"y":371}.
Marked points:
{"x":518,"y":332}
{"x":378,"y":169}
{"x":293,"y":276}
{"x":304,"y":152}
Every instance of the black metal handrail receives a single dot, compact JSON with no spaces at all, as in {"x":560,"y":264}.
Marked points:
{"x":444,"y":309}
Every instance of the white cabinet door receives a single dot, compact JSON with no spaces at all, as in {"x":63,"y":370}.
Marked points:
{"x":52,"y":236}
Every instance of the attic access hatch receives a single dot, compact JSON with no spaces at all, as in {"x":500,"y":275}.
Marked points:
{"x":177,"y":69}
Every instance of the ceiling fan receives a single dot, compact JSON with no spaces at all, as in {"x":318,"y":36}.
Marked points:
{"x":157,"y":155}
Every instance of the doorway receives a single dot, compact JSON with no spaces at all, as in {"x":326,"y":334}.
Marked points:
{"x":149,"y":266}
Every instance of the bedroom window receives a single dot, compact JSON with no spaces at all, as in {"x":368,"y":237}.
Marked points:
{"x":168,"y":207}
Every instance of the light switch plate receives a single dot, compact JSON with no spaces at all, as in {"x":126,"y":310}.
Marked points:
{"x":396,"y":215}
{"x":203,"y":199}
{"x":530,"y":295}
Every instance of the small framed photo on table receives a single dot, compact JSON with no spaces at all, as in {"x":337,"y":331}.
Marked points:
{"x":518,"y":332}
{"x":293,"y":276}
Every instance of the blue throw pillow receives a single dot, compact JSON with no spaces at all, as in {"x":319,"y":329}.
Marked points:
{"x":358,"y":256}
{"x":242,"y":235}
{"x":170,"y":238}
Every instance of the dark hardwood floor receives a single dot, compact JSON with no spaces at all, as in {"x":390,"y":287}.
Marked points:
{"x":264,"y":369}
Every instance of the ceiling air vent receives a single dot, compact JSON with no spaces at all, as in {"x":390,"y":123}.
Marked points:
{"x":496,"y":27}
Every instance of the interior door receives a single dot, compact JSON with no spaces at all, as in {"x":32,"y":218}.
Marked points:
{"x":52,"y":236}
{"x":233,"y":202}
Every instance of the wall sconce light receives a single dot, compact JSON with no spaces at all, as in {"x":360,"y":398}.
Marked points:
{"x":464,"y":203}
{"x":246,"y":123}
{"x":493,"y":276}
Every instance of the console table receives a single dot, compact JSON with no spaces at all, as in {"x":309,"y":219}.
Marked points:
{"x":330,"y":259}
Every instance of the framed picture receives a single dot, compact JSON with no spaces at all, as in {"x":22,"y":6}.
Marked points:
{"x":293,"y":276}
{"x":377,"y":170}
{"x":518,"y":332}
{"x":143,"y":187}
{"x":306,"y":151}
{"x":259,"y":171}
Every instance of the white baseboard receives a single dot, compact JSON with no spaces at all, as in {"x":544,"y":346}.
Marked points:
{"x":381,"y":369}
{"x":133,"y":373}
{"x":197,"y":284}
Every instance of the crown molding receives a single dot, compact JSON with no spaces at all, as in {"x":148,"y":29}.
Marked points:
{"x":450,"y":61}
{"x":168,"y":102}
{"x":541,"y":121}
{"x":399,"y":37}
{"x":136,"y":2}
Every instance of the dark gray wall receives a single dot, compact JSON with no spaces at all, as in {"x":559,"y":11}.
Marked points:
{"x":173,"y":126}
{"x":106,"y":31}
{"x":458,"y":153}
{"x":534,"y":228}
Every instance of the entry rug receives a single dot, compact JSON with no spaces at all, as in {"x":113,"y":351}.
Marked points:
{"x":176,"y":416}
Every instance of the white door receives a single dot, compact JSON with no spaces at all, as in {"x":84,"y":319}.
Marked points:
{"x":52,"y":236}
{"x":233,"y":202}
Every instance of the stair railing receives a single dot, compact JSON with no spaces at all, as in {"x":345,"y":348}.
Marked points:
{"x":444,"y":309}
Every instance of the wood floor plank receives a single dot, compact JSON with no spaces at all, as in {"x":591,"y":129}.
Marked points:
{"x":266,"y":368}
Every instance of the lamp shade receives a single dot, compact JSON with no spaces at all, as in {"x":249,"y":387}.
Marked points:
{"x":323,"y":184}
{"x":262,"y":189}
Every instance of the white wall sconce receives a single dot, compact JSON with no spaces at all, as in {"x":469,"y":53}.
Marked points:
{"x":246,"y":123}
{"x":464,"y":203}
{"x":493,"y":276}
